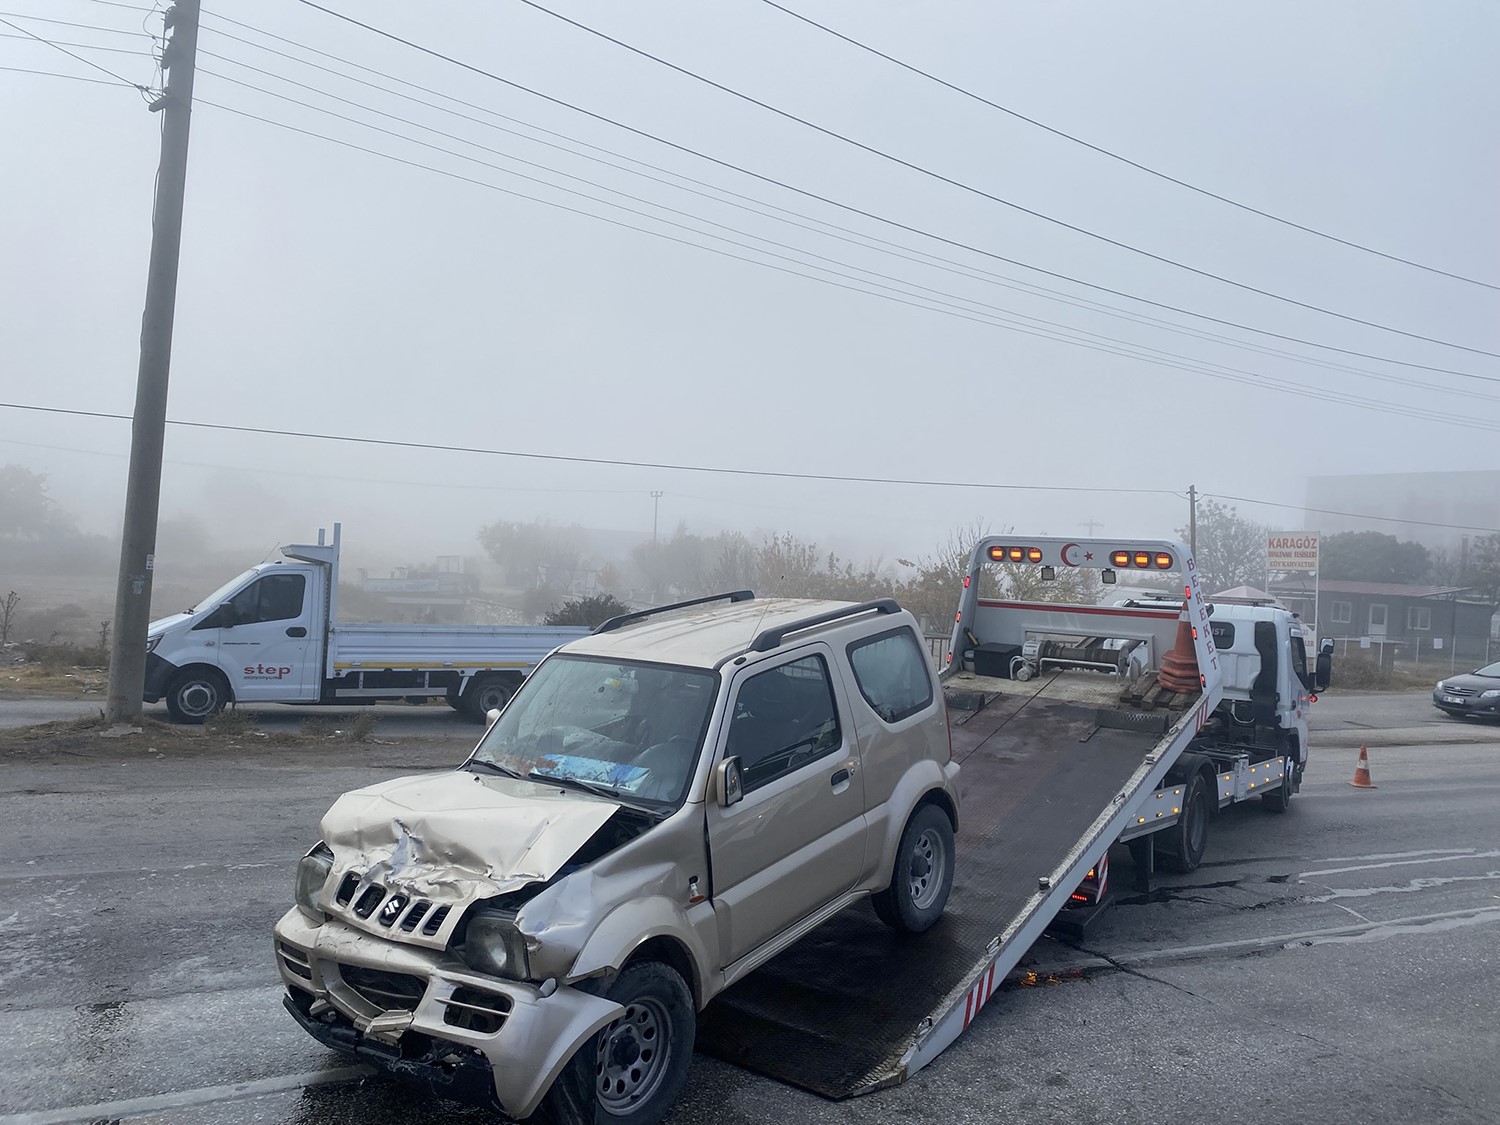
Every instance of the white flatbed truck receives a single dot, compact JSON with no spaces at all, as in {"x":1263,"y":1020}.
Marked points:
{"x":1088,"y":749}
{"x":272,"y":635}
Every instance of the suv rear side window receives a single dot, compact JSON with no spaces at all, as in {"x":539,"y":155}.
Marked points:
{"x":784,"y":718}
{"x":891,"y":671}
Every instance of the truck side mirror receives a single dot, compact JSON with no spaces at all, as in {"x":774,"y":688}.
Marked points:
{"x":222,"y":617}
{"x":730,"y":783}
{"x":1323,"y":670}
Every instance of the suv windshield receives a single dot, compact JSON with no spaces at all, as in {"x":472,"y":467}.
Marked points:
{"x":626,"y":730}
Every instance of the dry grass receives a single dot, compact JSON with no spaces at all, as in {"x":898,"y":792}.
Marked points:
{"x":1359,"y":673}
{"x":39,"y":679}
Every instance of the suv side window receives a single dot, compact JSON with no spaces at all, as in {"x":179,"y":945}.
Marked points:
{"x":276,"y":597}
{"x":784,"y":718}
{"x":891,"y":671}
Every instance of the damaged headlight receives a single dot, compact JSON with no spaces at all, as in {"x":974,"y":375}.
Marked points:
{"x":312,"y":873}
{"x":495,"y":946}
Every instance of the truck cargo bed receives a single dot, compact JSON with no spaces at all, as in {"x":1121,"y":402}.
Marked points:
{"x":854,"y":1006}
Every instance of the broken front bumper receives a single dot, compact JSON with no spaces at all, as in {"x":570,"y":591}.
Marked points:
{"x":421,"y":1015}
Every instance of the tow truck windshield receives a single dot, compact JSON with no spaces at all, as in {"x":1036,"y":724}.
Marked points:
{"x":627,"y":731}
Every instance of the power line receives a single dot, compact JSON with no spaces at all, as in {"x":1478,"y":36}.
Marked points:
{"x":1350,"y":515}
{"x":854,"y":210}
{"x":935,"y":303}
{"x":87,"y":46}
{"x":981,"y":193}
{"x":1124,"y":159}
{"x":69,"y":23}
{"x":861,"y":240}
{"x":606,"y":462}
{"x":79,"y":58}
{"x":70,"y":77}
{"x":715,"y":470}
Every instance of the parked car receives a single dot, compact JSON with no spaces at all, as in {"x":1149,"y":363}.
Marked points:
{"x":1472,"y":695}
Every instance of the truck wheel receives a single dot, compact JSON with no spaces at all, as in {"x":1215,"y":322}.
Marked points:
{"x":923,"y":873}
{"x":631,"y":1072}
{"x":1280,"y":798}
{"x":485,"y":694}
{"x":453,"y":699}
{"x":196,"y":695}
{"x":1183,"y":845}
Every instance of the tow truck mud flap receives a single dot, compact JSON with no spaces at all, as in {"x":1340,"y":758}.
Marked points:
{"x":843,"y":1011}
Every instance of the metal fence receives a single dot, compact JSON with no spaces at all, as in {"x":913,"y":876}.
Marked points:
{"x":937,"y":647}
{"x":1441,"y":654}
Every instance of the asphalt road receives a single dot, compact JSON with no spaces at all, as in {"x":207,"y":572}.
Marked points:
{"x":1338,"y":964}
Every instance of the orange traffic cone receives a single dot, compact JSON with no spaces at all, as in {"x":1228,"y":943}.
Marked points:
{"x":1179,"y":668}
{"x":1362,"y":772}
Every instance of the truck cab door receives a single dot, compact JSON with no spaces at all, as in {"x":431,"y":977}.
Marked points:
{"x":795,"y":839}
{"x":268,"y":639}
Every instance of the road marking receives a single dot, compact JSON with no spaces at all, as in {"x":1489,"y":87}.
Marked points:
{"x":184,"y":1098}
{"x":1390,"y":928}
{"x":1403,"y":888}
{"x":1399,"y":863}
{"x":1396,"y":855}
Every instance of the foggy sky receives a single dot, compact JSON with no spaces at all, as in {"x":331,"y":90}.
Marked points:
{"x":327,"y":290}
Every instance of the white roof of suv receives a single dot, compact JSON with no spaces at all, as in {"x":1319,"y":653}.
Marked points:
{"x":702,"y":636}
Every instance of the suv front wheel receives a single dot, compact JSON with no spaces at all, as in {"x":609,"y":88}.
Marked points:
{"x":923,"y":873}
{"x":631,"y":1072}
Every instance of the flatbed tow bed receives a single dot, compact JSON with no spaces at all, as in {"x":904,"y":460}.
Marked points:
{"x":1054,"y":771}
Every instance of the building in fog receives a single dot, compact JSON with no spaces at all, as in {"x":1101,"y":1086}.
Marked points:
{"x":1467,"y":499}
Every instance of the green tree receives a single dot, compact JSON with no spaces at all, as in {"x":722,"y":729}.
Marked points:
{"x":1231,"y":549}
{"x":521,"y":548}
{"x":593,"y":611}
{"x":1373,"y":556}
{"x":26,"y":511}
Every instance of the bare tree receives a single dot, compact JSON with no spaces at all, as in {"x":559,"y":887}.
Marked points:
{"x":8,"y":615}
{"x":1231,"y":549}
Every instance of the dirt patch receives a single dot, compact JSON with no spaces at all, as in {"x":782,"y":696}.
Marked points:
{"x":233,"y":734}
{"x":54,"y":683}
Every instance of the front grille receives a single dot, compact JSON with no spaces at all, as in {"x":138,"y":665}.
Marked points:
{"x":295,"y":960}
{"x":1459,"y":691}
{"x":475,"y":1010}
{"x":390,"y":910}
{"x":387,"y":991}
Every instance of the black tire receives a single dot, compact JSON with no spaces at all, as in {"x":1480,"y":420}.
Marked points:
{"x":486,"y":693}
{"x":1181,"y":847}
{"x":1280,"y":798}
{"x":196,"y":695}
{"x":631,"y":1072}
{"x":453,"y":699}
{"x":922,"y":874}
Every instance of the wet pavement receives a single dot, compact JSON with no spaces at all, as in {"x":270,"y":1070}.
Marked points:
{"x":1340,"y":963}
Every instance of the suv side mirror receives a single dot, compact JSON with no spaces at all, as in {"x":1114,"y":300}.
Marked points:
{"x":730,"y":783}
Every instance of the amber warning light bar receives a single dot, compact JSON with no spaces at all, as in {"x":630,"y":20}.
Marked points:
{"x":1122,"y":559}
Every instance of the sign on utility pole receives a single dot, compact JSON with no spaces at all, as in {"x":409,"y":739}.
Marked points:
{"x":127,"y":658}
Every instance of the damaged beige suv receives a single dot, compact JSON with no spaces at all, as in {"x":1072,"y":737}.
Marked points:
{"x":664,"y":805}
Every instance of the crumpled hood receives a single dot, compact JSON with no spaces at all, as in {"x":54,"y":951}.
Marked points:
{"x":456,"y":836}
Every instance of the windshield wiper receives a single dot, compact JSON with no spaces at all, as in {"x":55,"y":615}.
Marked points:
{"x":480,"y":763}
{"x":597,"y":788}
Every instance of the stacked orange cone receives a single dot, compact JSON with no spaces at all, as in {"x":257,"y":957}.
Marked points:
{"x":1179,"y":668}
{"x":1362,"y":771}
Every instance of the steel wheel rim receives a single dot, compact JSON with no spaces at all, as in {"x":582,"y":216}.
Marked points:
{"x":197,"y":698}
{"x":928,"y":867}
{"x":493,"y":698}
{"x":631,"y":1061}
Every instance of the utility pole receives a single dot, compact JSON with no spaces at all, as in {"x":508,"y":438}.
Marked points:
{"x":1193,"y":519}
{"x":127,"y":663}
{"x":655,"y":508}
{"x":1091,"y":524}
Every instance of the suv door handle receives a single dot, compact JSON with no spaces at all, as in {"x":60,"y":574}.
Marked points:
{"x":296,"y":631}
{"x":839,"y":778}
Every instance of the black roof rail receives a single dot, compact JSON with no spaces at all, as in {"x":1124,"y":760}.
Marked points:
{"x":771,"y":638}
{"x":640,"y":615}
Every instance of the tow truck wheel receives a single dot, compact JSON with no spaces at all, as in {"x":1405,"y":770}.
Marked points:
{"x":631,"y":1072}
{"x":922,"y":875}
{"x":196,"y":695}
{"x":1183,"y":845}
{"x":1280,"y":798}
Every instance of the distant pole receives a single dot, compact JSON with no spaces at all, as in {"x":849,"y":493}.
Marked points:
{"x":1091,"y":524}
{"x":127,"y":663}
{"x":1193,"y":519}
{"x":655,"y":508}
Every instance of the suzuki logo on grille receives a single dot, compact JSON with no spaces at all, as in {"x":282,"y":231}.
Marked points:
{"x":392,"y":909}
